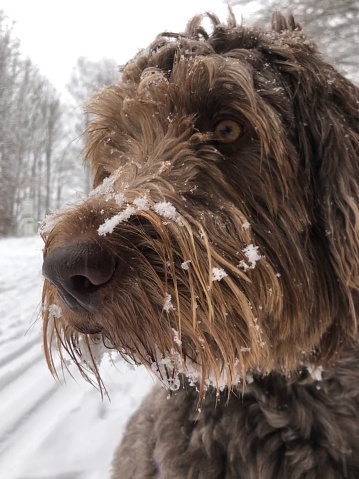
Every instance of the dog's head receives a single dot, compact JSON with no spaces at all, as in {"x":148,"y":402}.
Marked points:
{"x":222,"y":236}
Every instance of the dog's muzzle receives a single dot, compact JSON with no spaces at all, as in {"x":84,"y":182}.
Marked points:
{"x":78,"y":272}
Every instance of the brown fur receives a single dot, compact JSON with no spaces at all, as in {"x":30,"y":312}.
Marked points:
{"x":278,"y":429}
{"x":288,"y":185}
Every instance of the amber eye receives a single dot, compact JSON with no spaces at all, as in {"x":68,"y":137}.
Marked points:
{"x":227,"y":131}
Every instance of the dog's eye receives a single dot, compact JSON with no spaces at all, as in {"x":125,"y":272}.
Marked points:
{"x":227,"y":131}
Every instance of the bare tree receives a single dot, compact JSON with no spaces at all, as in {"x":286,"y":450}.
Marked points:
{"x":9,"y":72}
{"x":30,"y":130}
{"x":333,"y":25}
{"x":87,"y":77}
{"x":39,"y":155}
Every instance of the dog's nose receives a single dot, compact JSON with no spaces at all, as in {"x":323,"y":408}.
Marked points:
{"x":78,"y":272}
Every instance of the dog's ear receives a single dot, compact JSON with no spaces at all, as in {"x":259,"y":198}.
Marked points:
{"x":338,"y":190}
{"x":326,"y":115}
{"x":335,"y":130}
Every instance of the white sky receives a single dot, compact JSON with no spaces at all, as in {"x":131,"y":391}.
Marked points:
{"x":55,"y":33}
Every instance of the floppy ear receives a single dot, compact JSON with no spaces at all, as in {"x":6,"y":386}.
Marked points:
{"x":338,"y":177}
{"x":326,"y":106}
{"x":337,"y":140}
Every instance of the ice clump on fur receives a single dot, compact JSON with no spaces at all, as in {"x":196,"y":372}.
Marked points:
{"x":163,"y":208}
{"x":185,"y":264}
{"x":170,"y":367}
{"x":252,"y":254}
{"x":167,"y":210}
{"x":105,"y":189}
{"x":315,"y":372}
{"x":168,"y":306}
{"x":49,"y":222}
{"x":176,"y":337}
{"x":218,"y":274}
{"x":52,"y":219}
{"x":55,"y":311}
{"x":92,"y":351}
{"x":142,"y":203}
{"x":110,"y":224}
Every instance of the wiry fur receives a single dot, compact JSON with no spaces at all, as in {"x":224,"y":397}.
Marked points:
{"x":289,"y":186}
{"x":278,"y":429}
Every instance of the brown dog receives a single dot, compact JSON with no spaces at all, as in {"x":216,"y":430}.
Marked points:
{"x":220,"y":248}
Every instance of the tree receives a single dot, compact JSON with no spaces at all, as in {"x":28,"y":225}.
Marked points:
{"x":87,"y":77}
{"x":9,"y":72}
{"x":333,"y":25}
{"x":30,"y":134}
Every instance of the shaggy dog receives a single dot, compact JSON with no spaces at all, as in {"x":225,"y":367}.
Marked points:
{"x":220,"y":248}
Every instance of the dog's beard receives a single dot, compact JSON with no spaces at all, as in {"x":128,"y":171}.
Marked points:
{"x":179,"y":306}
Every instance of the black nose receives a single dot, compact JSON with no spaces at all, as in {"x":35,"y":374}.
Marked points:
{"x":78,"y":272}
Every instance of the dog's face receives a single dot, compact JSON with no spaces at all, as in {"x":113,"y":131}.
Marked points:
{"x":222,"y":233}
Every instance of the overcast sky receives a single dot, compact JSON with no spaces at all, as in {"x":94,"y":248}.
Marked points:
{"x":55,"y":33}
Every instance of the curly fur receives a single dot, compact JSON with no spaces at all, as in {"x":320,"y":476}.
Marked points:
{"x":277,"y":429}
{"x":176,"y":193}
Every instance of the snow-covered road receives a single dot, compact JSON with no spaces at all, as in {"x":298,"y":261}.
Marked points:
{"x":50,"y":430}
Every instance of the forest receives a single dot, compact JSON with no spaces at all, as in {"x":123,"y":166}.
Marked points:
{"x":41,"y":135}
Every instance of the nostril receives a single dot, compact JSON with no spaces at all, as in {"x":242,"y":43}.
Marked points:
{"x":83,"y":284}
{"x":78,"y":272}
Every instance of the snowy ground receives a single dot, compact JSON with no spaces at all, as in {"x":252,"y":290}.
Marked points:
{"x":50,"y":430}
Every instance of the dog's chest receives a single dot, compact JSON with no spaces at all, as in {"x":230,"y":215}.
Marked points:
{"x":292,"y":433}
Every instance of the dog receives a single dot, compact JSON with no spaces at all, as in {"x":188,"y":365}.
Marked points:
{"x":220,"y":248}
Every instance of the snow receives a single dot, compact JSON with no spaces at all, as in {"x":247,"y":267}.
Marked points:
{"x":252,"y":254}
{"x":168,"y":306}
{"x":105,"y":189}
{"x":176,"y":337}
{"x":163,"y":208}
{"x":142,"y":203}
{"x":315,"y":372}
{"x":167,"y":210}
{"x":110,"y":224}
{"x":185,"y":264}
{"x":55,"y":311}
{"x":50,"y":430}
{"x":218,"y":274}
